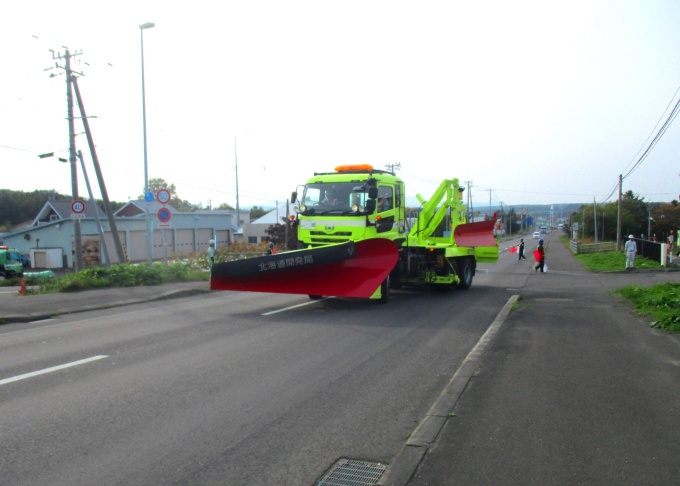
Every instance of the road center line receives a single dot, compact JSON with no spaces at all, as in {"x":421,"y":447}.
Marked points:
{"x":294,"y":306}
{"x":50,"y":370}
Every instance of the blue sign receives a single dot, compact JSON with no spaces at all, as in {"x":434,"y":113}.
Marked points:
{"x":164,"y":215}
{"x":149,"y":197}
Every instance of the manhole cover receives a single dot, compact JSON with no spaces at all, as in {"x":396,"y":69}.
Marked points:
{"x":349,"y":472}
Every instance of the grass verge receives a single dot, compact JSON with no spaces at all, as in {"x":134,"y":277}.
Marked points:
{"x":661,"y":301}
{"x":615,"y":261}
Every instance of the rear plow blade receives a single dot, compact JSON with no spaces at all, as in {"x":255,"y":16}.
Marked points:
{"x":353,"y":269}
{"x":480,"y":237}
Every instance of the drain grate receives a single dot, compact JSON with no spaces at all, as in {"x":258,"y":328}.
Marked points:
{"x":349,"y":472}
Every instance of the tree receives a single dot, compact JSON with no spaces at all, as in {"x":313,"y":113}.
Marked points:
{"x":665,"y":217}
{"x":225,"y":206}
{"x":257,"y":212}
{"x":18,"y":206}
{"x":158,"y":183}
{"x":277,"y":234}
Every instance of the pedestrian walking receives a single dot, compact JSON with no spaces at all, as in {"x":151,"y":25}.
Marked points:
{"x":539,"y":254}
{"x":521,"y":249}
{"x":631,"y":249}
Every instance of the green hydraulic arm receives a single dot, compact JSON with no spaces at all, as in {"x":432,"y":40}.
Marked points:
{"x":435,"y":210}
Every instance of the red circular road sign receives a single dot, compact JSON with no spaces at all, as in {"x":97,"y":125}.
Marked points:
{"x":78,"y":206}
{"x":163,"y":196}
{"x":164,"y":215}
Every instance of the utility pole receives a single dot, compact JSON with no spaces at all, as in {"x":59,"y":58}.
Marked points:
{"x":393,"y":167}
{"x":100,"y":230}
{"x":470,"y":211}
{"x":618,"y":217}
{"x":78,"y":260}
{"x":490,"y":213}
{"x":100,"y":178}
{"x":595,"y":220}
{"x":238,"y":210}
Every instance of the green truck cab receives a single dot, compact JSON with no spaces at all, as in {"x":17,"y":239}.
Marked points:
{"x":11,"y":264}
{"x":353,"y":203}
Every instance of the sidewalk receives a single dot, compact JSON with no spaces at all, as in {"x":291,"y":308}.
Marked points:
{"x":574,"y":389}
{"x":25,"y":308}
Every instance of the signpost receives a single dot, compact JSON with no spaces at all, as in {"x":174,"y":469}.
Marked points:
{"x":78,"y":209}
{"x":163,"y":196}
{"x":164,"y":216}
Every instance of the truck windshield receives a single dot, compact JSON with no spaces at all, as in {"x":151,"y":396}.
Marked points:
{"x":335,"y":198}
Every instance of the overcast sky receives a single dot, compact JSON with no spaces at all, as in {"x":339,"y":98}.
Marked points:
{"x":535,"y":102}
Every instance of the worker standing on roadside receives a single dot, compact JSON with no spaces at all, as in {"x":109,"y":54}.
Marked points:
{"x":631,"y":249}
{"x":271,"y":250}
{"x":671,"y":240}
{"x":211,"y":253}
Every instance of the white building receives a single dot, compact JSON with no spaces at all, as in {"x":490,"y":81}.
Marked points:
{"x":50,"y":242}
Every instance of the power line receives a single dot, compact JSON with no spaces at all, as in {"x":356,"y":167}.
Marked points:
{"x":667,"y":123}
{"x":655,"y":126}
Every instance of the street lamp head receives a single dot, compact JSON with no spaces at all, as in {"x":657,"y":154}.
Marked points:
{"x":148,"y":25}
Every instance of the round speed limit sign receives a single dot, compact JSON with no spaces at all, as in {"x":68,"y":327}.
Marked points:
{"x":78,"y":206}
{"x":163,"y":196}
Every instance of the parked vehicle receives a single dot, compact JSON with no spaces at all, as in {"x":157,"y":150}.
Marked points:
{"x":11,"y":264}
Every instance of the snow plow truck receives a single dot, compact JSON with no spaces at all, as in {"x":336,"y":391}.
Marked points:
{"x":356,"y":240}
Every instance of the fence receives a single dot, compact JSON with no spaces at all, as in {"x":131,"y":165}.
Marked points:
{"x":581,"y":248}
{"x":646,"y":248}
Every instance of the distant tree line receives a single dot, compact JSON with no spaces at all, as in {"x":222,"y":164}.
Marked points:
{"x":18,"y":207}
{"x":638,"y":217}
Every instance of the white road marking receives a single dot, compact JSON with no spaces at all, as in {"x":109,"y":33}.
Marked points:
{"x":50,"y":370}
{"x":294,"y":306}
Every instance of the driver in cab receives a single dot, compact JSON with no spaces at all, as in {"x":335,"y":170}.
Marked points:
{"x":332,"y":198}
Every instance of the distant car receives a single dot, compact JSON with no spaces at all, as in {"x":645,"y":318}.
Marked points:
{"x":536,"y":234}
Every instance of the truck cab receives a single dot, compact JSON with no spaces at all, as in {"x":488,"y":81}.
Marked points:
{"x":11,"y":263}
{"x":354,"y":203}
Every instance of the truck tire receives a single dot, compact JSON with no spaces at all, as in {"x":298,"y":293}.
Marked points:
{"x":465,"y":273}
{"x":385,"y":291}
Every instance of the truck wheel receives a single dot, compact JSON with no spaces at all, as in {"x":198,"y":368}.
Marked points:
{"x":465,"y":273}
{"x":385,"y":291}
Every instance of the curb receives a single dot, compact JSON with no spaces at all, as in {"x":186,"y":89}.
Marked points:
{"x":170,"y":294}
{"x":407,"y":460}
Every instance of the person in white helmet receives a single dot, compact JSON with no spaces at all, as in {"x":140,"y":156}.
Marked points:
{"x":631,"y":250}
{"x":211,"y":253}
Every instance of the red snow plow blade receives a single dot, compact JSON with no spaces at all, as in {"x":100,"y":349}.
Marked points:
{"x":352,"y":269}
{"x":475,"y":234}
{"x":480,"y":237}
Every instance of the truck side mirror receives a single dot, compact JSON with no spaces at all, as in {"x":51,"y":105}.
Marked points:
{"x":370,"y":205}
{"x":372,"y":193}
{"x":293,"y":197}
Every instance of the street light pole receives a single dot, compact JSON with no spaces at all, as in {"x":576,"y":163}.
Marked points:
{"x":149,"y":236}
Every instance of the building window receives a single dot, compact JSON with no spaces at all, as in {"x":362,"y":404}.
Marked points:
{"x":252,"y":240}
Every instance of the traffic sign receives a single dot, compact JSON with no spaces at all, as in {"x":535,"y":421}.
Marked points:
{"x":163,"y":196}
{"x":78,"y":206}
{"x":164,"y":215}
{"x":148,"y":197}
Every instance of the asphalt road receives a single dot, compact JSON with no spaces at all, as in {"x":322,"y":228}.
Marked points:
{"x":231,"y":388}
